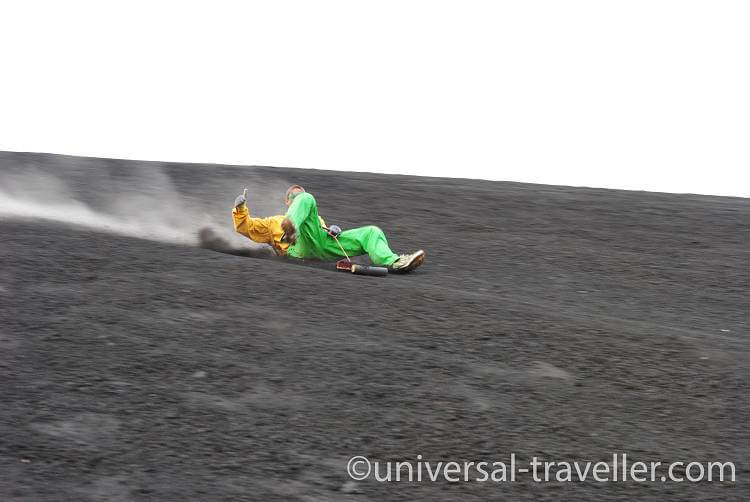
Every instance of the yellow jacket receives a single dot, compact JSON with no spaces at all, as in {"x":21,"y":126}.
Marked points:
{"x":264,"y":230}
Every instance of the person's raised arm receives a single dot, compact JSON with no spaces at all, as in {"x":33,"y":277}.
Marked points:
{"x":256,"y":229}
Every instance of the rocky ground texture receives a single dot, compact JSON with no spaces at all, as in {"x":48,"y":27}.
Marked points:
{"x":566,"y":323}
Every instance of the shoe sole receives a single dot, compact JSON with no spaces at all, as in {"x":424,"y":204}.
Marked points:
{"x":414,"y":263}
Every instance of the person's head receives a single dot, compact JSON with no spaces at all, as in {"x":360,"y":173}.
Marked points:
{"x":292,"y":192}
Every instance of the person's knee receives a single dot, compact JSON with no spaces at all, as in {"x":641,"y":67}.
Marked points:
{"x":305,"y":198}
{"x":374,"y":230}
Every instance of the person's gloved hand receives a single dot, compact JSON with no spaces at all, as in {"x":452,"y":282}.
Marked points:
{"x":334,"y":230}
{"x":241,"y":199}
{"x":290,"y":233}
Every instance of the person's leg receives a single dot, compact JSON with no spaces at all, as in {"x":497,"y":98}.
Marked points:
{"x":368,"y":240}
{"x":311,"y":238}
{"x":314,"y":242}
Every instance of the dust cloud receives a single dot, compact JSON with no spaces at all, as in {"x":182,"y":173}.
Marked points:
{"x":143,"y":202}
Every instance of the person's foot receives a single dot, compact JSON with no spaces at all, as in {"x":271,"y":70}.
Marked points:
{"x":407,"y":262}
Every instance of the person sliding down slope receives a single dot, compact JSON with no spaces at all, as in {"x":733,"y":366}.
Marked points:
{"x":301,"y":233}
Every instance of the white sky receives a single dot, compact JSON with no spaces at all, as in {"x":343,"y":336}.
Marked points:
{"x":630,"y":94}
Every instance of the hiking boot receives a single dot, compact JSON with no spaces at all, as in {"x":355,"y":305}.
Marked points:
{"x":407,"y":262}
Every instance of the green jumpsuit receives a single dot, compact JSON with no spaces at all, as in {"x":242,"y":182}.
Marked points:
{"x":314,"y":242}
